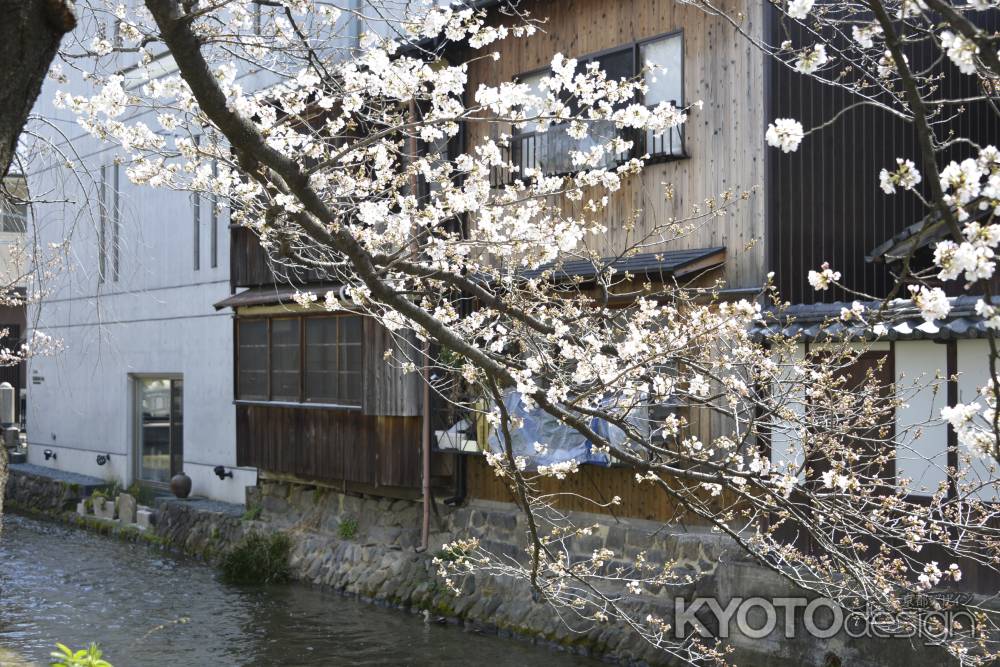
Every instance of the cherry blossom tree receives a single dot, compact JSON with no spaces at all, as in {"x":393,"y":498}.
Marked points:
{"x":29,"y":39}
{"x":30,"y":35}
{"x":334,"y":155}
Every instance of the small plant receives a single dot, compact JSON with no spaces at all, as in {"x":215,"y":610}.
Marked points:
{"x":115,"y":488}
{"x":258,"y":559}
{"x":88,"y":504}
{"x":348,"y":528}
{"x":142,"y":494}
{"x":85,"y":657}
{"x":252,"y":513}
{"x":99,"y":494}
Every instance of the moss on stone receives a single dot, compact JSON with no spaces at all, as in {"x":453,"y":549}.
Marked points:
{"x":258,"y":559}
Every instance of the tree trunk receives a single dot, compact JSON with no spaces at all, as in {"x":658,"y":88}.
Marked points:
{"x":30,"y":32}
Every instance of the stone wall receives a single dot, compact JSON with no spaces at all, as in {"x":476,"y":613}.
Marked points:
{"x":377,"y":562}
{"x":366,"y":547}
{"x":40,"y":492}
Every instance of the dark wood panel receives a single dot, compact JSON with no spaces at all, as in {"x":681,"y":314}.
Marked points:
{"x":330,"y":445}
{"x":387,"y":390}
{"x":824,"y":202}
{"x":250,"y":266}
{"x":248,"y":263}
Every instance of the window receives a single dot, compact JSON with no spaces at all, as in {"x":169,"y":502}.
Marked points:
{"x":214,"y":241}
{"x":108,"y":201}
{"x":14,"y":205}
{"x":102,"y":232}
{"x":252,"y":350}
{"x":13,"y":216}
{"x":304,"y":359}
{"x":664,"y":86}
{"x":333,"y":360}
{"x":159,"y":437}
{"x":196,"y":217}
{"x":116,"y":224}
{"x":549,"y":151}
{"x":285,"y":359}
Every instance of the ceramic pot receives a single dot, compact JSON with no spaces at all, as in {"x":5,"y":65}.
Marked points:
{"x":180,"y":485}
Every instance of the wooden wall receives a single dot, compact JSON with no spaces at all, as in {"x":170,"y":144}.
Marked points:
{"x":595,"y":482}
{"x":250,"y":266}
{"x":330,"y":445}
{"x":377,"y":444}
{"x":388,"y":391}
{"x":724,"y":140}
{"x":824,"y":200}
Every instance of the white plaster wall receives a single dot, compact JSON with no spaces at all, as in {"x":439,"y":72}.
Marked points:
{"x":973,"y":369}
{"x":786,"y":445}
{"x":922,"y":438}
{"x":157,"y":318}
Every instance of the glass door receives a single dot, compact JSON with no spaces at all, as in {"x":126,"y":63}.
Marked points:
{"x":160,"y":432}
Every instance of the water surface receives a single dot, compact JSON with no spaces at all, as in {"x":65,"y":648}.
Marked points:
{"x":150,"y":609}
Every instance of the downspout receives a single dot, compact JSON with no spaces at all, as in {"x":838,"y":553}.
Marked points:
{"x":425,"y":528}
{"x":461,"y":486}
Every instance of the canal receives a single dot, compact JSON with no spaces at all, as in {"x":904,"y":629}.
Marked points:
{"x":152,"y":609}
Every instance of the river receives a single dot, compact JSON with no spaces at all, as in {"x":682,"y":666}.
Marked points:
{"x":147,"y":608}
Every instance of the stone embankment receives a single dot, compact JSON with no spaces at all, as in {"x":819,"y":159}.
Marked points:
{"x":368,"y":547}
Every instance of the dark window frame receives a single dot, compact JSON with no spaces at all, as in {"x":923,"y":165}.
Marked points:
{"x":302,"y":400}
{"x":639,"y":139}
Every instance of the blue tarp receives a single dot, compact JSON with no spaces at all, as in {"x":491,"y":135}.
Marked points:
{"x":561,"y":442}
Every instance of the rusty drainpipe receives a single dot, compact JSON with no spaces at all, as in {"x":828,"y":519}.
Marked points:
{"x":425,"y":529}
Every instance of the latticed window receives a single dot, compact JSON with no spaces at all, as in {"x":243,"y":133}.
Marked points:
{"x":314,"y":359}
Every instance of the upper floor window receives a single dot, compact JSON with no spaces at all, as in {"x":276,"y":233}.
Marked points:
{"x":13,"y":207}
{"x":549,"y":151}
{"x":300,"y":359}
{"x":13,"y":217}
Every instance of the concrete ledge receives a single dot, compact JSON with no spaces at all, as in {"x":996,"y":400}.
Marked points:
{"x":202,"y":505}
{"x":42,"y":489}
{"x":85,"y":482}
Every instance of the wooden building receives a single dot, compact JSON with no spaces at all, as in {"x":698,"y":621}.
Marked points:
{"x":314,"y":399}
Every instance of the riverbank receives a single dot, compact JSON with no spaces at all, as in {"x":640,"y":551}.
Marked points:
{"x":365,"y":547}
{"x":156,"y":609}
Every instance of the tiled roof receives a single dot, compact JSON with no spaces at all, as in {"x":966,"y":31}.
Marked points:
{"x":670,"y":262}
{"x":650,"y":263}
{"x":274,"y":294}
{"x":901,"y":321}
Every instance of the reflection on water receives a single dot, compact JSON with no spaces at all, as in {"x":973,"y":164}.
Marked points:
{"x":147,"y":608}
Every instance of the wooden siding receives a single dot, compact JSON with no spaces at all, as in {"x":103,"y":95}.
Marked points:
{"x":724,"y":139}
{"x":596,"y":482}
{"x":249,"y":265}
{"x":388,"y":391}
{"x":824,"y":200}
{"x":329,"y":445}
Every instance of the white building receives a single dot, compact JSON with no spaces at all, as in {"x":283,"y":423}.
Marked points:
{"x":143,"y":387}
